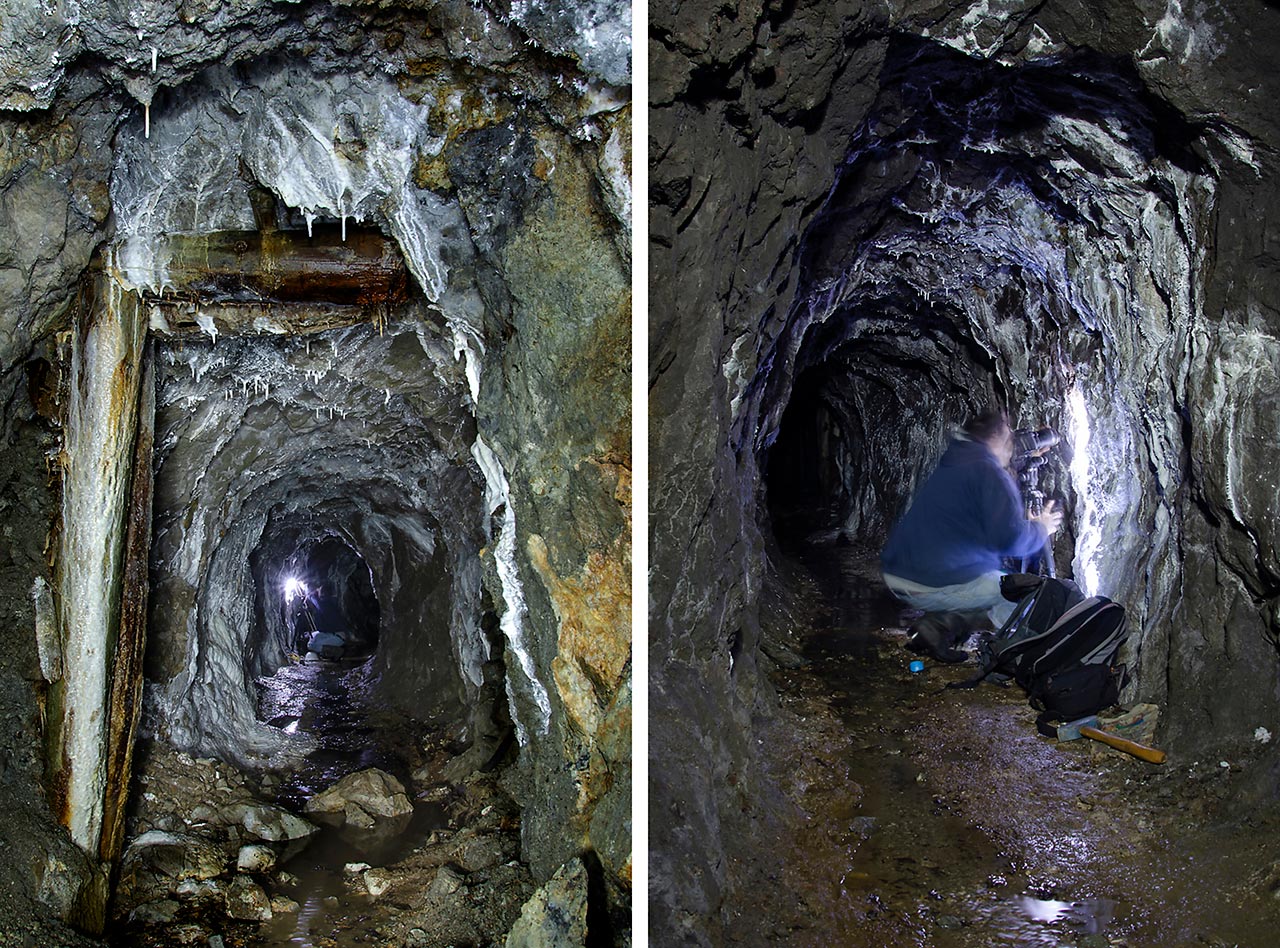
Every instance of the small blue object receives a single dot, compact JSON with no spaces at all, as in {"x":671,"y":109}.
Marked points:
{"x":916,"y":666}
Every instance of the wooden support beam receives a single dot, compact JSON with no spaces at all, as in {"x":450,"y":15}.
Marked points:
{"x":125,"y":707}
{"x":99,"y":438}
{"x":366,"y":269}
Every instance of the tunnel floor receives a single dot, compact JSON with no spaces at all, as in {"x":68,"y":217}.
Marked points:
{"x":320,"y":699}
{"x":449,"y":873}
{"x":916,"y":816}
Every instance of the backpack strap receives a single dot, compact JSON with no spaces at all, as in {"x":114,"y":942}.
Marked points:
{"x":988,"y":653}
{"x":986,"y":662}
{"x":1044,"y":726}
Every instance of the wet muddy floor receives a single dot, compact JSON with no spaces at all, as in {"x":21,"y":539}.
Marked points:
{"x":321,"y":699}
{"x":447,"y":874}
{"x":934,"y":817}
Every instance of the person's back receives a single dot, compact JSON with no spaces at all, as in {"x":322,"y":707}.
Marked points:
{"x":944,"y":554}
{"x":962,"y":521}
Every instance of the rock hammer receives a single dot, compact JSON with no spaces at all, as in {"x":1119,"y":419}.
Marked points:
{"x":1088,"y":727}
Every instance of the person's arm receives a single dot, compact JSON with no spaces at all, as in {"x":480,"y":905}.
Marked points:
{"x":1009,"y":532}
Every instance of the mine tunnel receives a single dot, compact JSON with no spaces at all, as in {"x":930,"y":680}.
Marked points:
{"x":938,"y":279}
{"x":325,"y":587}
{"x":302,"y":512}
{"x":925,"y":213}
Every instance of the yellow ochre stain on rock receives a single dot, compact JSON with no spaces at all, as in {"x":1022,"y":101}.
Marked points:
{"x":594,"y":612}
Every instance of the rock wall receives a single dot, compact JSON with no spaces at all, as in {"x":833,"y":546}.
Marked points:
{"x":570,"y":299}
{"x":898,"y":212}
{"x":488,"y":143}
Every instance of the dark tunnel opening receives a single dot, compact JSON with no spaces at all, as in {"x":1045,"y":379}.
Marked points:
{"x":322,"y":599}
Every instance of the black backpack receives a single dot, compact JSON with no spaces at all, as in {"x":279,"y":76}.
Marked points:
{"x":1061,"y":647}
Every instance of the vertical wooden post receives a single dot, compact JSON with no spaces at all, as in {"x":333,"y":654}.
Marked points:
{"x":99,"y":441}
{"x":125,"y":706}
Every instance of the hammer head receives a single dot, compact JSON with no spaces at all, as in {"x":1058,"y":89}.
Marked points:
{"x":1071,"y":731}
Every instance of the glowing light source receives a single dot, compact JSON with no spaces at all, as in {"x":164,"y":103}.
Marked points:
{"x":294,"y":587}
{"x":1089,"y":526}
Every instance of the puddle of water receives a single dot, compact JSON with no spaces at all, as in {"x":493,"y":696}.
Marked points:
{"x":327,"y":903}
{"x":316,"y":698}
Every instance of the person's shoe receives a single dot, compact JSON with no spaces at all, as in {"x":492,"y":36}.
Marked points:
{"x":934,"y":634}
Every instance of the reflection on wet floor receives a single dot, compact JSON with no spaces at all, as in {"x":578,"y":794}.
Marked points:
{"x":921,"y":870}
{"x":950,"y":823}
{"x":319,"y":699}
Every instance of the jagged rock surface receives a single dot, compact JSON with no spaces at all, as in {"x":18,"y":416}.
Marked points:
{"x":488,"y":144}
{"x":556,"y":916}
{"x":880,"y":217}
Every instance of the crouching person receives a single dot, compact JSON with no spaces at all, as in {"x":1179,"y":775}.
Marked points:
{"x":944,"y":555}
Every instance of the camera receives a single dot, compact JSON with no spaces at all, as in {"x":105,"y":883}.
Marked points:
{"x":1029,"y":446}
{"x":1028,"y":441}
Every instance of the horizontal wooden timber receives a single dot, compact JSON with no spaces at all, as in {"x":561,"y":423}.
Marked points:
{"x":176,"y":318}
{"x":363,"y":269}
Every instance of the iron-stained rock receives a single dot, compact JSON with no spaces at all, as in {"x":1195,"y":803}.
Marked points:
{"x":556,"y":916}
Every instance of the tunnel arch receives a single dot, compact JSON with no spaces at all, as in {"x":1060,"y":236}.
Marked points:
{"x":998,"y":234}
{"x":382,"y":471}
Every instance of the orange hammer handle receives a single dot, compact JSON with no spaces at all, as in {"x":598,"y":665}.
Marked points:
{"x":1129,"y":747}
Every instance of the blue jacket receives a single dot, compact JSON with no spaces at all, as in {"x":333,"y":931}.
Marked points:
{"x":964,"y":518}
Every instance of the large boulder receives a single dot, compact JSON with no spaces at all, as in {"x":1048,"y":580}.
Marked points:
{"x":156,"y":863}
{"x":362,"y":797}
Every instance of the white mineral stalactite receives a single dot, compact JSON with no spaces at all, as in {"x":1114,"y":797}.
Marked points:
{"x":498,"y":494}
{"x":98,"y":442}
{"x":207,"y":326}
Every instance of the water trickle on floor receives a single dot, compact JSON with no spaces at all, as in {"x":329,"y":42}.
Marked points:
{"x":322,"y":700}
{"x":941,"y":818}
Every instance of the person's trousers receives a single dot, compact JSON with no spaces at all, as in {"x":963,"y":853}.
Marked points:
{"x":980,"y":593}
